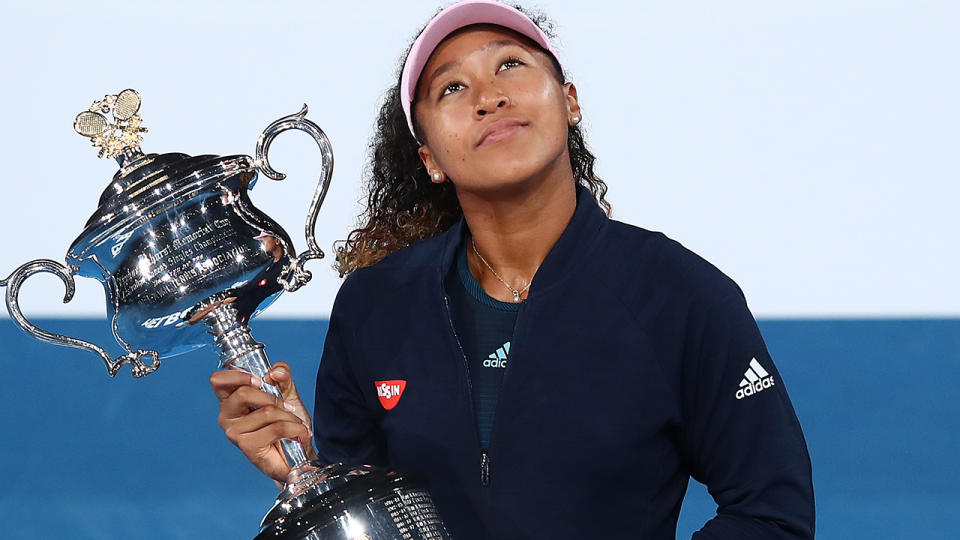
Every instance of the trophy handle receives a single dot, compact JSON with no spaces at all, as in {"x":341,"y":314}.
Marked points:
{"x":298,"y":120}
{"x":13,"y":284}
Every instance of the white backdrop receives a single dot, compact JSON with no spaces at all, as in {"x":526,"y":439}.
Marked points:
{"x":808,"y":149}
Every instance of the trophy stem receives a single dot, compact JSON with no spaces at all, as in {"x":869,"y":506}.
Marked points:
{"x":238,"y":348}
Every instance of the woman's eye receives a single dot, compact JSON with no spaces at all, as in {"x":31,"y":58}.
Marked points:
{"x":509,"y":63}
{"x":451,"y":88}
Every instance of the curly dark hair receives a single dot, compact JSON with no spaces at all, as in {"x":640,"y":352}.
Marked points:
{"x":403,"y":205}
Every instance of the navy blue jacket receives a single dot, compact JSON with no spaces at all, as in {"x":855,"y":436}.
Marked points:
{"x":634,"y":365}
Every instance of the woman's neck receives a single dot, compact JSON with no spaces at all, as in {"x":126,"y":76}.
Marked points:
{"x":513,"y":232}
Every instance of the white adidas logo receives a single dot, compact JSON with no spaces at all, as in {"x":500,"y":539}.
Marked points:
{"x":498,"y":359}
{"x":755,"y":379}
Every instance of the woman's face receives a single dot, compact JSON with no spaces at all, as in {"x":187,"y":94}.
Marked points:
{"x":491,"y":112}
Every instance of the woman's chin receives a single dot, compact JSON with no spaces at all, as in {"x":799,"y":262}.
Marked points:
{"x":501,"y":185}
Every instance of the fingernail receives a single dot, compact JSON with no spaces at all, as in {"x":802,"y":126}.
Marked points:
{"x":289,"y":407}
{"x":279,"y":372}
{"x":256,"y":381}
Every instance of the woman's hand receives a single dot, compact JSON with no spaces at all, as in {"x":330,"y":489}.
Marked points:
{"x":256,"y":421}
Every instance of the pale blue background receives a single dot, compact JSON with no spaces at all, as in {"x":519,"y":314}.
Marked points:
{"x":808,"y":149}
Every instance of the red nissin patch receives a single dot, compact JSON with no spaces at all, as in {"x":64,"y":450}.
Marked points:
{"x":389,"y":392}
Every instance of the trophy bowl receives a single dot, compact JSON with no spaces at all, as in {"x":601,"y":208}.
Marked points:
{"x":186,"y":260}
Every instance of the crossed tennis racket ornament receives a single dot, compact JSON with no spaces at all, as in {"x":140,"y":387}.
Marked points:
{"x":186,"y":261}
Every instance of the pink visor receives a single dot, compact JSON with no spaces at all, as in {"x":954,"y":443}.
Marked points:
{"x":454,"y":18}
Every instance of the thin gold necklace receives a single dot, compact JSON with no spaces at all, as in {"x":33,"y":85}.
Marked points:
{"x":516,"y":292}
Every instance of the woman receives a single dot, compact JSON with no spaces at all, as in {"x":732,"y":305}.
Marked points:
{"x":551,"y":372}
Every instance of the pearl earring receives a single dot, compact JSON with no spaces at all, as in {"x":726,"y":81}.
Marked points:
{"x":437,"y":176}
{"x":574,"y":119}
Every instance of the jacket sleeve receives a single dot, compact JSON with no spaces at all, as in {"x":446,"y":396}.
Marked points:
{"x":742,"y":437}
{"x":345,"y":429}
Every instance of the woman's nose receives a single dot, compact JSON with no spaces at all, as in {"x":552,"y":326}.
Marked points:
{"x":491,"y":99}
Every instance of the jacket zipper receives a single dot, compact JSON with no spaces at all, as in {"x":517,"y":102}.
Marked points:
{"x":485,"y":461}
{"x":484,"y":468}
{"x":484,"y":457}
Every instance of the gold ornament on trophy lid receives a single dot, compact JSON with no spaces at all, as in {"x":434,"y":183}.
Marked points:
{"x":123,"y":134}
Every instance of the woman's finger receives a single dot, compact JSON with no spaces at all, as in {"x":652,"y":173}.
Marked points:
{"x":246,"y":397}
{"x":261,"y":442}
{"x":258,"y":420}
{"x":262,"y":449}
{"x":225,"y":382}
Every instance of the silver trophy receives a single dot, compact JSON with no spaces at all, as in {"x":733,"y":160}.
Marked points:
{"x":186,"y":260}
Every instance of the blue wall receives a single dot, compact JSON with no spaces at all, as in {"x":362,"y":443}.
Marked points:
{"x":87,"y":456}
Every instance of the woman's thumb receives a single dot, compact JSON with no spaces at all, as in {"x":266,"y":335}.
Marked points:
{"x":280,"y":376}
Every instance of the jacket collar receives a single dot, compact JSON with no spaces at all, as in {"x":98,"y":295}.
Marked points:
{"x":566,"y":255}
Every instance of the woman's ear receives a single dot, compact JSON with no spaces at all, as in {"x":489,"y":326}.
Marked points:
{"x":433,"y":169}
{"x":573,"y":106}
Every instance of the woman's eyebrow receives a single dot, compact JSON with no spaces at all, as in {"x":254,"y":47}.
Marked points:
{"x":447,"y":66}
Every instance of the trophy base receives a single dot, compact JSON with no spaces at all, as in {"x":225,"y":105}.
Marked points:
{"x":352,"y":503}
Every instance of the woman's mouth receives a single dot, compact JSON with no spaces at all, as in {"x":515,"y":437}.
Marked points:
{"x":499,"y":130}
